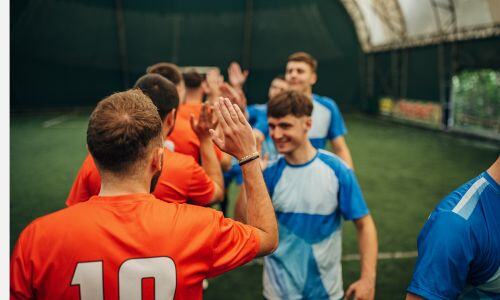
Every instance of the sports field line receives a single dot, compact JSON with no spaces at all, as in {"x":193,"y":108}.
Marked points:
{"x":355,"y":257}
{"x":55,"y":121}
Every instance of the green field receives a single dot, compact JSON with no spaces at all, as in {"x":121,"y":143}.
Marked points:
{"x":403,"y":171}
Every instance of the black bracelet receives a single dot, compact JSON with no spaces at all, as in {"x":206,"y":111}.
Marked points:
{"x":248,"y":160}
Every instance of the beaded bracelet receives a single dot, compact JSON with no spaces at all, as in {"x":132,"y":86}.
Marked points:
{"x":248,"y":158}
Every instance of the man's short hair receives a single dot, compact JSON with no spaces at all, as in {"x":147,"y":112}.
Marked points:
{"x":304,"y":57}
{"x":280,"y":77}
{"x":192,"y":79}
{"x":167,"y":70}
{"x":161,"y":91}
{"x":289,"y":103}
{"x":121,"y":129}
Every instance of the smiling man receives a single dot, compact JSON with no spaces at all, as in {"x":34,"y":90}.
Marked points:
{"x":328,"y":123}
{"x":312,"y":190}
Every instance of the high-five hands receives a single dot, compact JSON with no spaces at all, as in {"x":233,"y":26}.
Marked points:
{"x":235,"y":135}
{"x":205,"y":122}
{"x":237,"y":77}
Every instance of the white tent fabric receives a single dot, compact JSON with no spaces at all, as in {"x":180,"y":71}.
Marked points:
{"x":390,"y":24}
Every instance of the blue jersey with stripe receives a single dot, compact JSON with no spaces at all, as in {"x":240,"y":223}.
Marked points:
{"x":327,"y":121}
{"x":459,"y":245}
{"x":310,"y":201}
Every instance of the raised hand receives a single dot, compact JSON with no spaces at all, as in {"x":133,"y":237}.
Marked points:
{"x":205,"y":122}
{"x":236,"y":96}
{"x":214,"y":81}
{"x":237,"y":77}
{"x":235,"y":135}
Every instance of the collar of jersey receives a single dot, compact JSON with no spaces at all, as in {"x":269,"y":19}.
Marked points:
{"x":122,"y":198}
{"x":304,"y":164}
{"x":492,"y":182}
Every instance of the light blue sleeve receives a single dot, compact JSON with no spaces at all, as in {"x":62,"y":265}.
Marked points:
{"x":445,"y":252}
{"x":337,"y":125}
{"x":261,"y":123}
{"x":351,"y":201}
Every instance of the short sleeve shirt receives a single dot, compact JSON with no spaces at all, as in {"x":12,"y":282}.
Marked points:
{"x":459,"y":245}
{"x":181,"y":180}
{"x":133,"y":245}
{"x":310,"y":201}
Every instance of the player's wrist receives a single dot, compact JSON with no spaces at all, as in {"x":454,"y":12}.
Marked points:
{"x":248,"y":158}
{"x":369,"y":278}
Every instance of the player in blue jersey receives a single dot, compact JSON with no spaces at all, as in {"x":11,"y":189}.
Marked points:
{"x":459,"y":245}
{"x":312,"y":191}
{"x":328,"y":124}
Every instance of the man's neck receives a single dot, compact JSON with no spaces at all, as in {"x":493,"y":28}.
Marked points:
{"x":302,"y":154}
{"x":117,"y":186}
{"x":194,"y":97}
{"x":494,"y":171}
{"x":308,"y":92}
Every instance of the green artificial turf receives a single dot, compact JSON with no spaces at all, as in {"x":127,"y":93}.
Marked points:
{"x":403,"y":172}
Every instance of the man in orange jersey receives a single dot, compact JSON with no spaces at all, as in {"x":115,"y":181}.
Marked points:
{"x":125,"y":243}
{"x":171,"y":72}
{"x":185,"y":180}
{"x":183,"y":139}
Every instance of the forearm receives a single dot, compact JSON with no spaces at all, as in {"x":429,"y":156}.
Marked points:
{"x":339,"y":147}
{"x":368,"y":248}
{"x":260,"y":212}
{"x":210,"y":164}
{"x":240,"y":209}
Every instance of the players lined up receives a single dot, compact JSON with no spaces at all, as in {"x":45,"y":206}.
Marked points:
{"x":115,"y":240}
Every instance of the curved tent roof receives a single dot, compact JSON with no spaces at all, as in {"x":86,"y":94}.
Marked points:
{"x":390,"y":24}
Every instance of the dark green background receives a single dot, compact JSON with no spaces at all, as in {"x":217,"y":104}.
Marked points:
{"x":66,"y":53}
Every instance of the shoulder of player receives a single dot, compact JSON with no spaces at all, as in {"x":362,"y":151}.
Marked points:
{"x":333,"y":161}
{"x":275,"y":165}
{"x":178,"y":160}
{"x":463,"y":200}
{"x":325,"y":101}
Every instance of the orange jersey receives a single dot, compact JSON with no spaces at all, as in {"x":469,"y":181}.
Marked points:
{"x":182,"y":138}
{"x":126,"y":246}
{"x":181,"y":180}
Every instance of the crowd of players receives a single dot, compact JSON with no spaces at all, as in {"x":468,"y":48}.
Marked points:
{"x":137,"y":224}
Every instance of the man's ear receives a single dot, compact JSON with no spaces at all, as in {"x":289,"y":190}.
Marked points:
{"x":314,"y":78}
{"x":169,"y":122}
{"x":157,"y":162}
{"x":308,"y":123}
{"x":204,"y":86}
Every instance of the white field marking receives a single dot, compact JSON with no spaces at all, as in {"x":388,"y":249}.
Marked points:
{"x":55,"y":121}
{"x":355,"y":257}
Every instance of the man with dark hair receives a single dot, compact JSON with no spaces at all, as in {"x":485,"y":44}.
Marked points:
{"x":312,"y":190}
{"x":172,"y":73}
{"x":327,"y":121}
{"x":459,"y":245}
{"x":125,"y":243}
{"x":185,"y":180}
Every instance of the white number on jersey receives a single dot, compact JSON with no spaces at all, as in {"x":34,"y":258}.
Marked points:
{"x":89,"y":276}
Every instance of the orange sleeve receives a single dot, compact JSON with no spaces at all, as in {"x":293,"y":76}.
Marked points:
{"x":87,"y":183}
{"x":234,"y":244}
{"x":201,"y":187}
{"x":20,"y":271}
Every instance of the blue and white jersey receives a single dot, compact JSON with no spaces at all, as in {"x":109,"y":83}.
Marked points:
{"x":327,"y":121}
{"x":459,"y":245}
{"x":309,"y":201}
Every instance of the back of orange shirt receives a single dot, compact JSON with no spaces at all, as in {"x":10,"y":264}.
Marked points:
{"x":182,"y":138}
{"x":126,"y":246}
{"x":182,"y":180}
